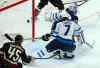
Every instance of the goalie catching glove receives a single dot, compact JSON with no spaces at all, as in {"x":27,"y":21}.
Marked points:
{"x":46,"y":37}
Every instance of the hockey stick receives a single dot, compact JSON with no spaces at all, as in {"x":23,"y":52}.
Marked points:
{"x":8,"y":37}
{"x":75,"y":2}
{"x":85,"y":42}
{"x":47,"y":57}
{"x":55,"y":53}
{"x":38,"y":38}
{"x":33,"y":38}
{"x":11,"y":39}
{"x":90,"y":45}
{"x":72,"y":2}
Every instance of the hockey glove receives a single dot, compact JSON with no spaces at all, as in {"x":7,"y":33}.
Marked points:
{"x":37,"y":11}
{"x":29,"y":58}
{"x":46,"y":37}
{"x":19,"y":65}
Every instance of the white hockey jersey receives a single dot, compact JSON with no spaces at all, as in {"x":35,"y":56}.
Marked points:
{"x":67,"y":29}
{"x":55,"y":15}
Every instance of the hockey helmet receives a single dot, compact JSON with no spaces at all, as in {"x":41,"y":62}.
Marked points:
{"x":19,"y":38}
{"x":73,"y":7}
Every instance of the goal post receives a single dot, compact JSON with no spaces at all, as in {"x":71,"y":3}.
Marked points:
{"x":33,"y":19}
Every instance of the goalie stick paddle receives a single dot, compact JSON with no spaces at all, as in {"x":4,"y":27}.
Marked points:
{"x":8,"y":37}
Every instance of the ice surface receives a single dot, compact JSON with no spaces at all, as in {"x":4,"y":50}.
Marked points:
{"x":85,"y":56}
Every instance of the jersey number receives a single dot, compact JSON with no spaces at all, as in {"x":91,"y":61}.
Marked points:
{"x":14,"y":52}
{"x":67,"y":30}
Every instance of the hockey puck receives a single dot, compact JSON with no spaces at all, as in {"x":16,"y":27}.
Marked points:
{"x":28,"y":21}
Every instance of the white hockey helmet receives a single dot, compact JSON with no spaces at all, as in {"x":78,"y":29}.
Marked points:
{"x":73,"y":7}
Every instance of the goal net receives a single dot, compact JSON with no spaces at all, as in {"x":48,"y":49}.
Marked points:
{"x":17,"y":20}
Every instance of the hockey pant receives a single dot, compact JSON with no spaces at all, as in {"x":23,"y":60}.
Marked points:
{"x":61,"y":44}
{"x":8,"y":66}
{"x":5,"y":64}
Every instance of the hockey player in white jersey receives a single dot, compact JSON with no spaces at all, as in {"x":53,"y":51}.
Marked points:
{"x":55,"y":17}
{"x":71,"y":12}
{"x":66,"y":36}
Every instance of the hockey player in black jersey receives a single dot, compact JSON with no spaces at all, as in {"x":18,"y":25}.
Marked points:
{"x":57,"y":3}
{"x":11,"y":52}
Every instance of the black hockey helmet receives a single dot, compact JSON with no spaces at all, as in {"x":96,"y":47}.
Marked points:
{"x":19,"y":38}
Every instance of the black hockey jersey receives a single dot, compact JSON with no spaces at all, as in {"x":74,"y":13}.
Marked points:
{"x":13,"y":51}
{"x":57,"y":3}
